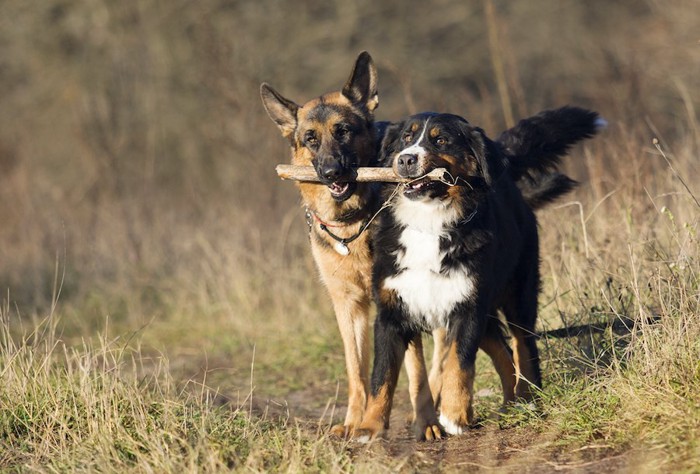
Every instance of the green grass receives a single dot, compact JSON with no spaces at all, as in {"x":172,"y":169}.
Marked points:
{"x":104,"y":405}
{"x":160,"y":308}
{"x":67,"y":404}
{"x":190,"y":377}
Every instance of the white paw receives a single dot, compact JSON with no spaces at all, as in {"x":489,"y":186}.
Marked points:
{"x":450,"y":426}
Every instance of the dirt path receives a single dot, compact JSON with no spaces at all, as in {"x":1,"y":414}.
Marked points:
{"x":486,"y":448}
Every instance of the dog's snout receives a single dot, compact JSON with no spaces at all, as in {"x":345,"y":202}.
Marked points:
{"x":332,"y":171}
{"x":407,"y":165}
{"x":407,"y":161}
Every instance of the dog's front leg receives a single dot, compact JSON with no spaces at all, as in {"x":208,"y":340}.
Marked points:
{"x":456,"y":410}
{"x":353,"y":322}
{"x":439,"y":354}
{"x":349,"y":291}
{"x":390,"y":344}
{"x":495,"y":346}
{"x":425,"y":422}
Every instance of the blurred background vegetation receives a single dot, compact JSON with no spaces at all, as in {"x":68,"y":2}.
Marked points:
{"x":137,"y":163}
{"x":140,"y":210}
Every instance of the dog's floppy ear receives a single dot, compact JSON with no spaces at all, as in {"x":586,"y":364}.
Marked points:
{"x":390,"y":143}
{"x":482,"y":150}
{"x":282,"y":111}
{"x":361,"y":87}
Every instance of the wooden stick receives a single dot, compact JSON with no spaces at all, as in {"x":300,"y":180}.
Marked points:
{"x":308,"y":173}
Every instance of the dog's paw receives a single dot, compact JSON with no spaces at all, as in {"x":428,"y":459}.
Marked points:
{"x":363,"y":435}
{"x":429,"y":432}
{"x":340,"y":431}
{"x":367,"y":432}
{"x":452,"y":427}
{"x":426,"y":427}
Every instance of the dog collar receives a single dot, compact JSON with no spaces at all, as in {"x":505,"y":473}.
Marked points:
{"x":341,"y":243}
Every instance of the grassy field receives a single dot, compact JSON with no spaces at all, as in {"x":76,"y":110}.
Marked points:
{"x":160,"y":310}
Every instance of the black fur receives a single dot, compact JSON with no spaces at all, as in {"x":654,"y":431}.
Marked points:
{"x":537,"y":143}
{"x":498,"y":247}
{"x":486,"y":234}
{"x":531,"y":150}
{"x":540,"y":189}
{"x":534,"y":148}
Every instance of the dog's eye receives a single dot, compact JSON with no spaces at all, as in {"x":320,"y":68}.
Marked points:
{"x":441,"y":141}
{"x":310,"y":138}
{"x":341,"y":132}
{"x":407,"y":137}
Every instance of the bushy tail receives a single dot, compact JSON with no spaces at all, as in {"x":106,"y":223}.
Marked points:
{"x":540,"y":190}
{"x":535,"y":146}
{"x":539,"y":142}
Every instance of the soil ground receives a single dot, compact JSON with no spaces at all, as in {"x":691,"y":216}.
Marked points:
{"x":485,"y":448}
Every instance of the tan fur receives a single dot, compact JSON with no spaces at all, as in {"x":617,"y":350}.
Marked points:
{"x":376,"y":418}
{"x":387,"y":297}
{"x":439,"y":353}
{"x":493,"y":347}
{"x":523,"y":365}
{"x":347,"y":277}
{"x":504,"y":364}
{"x":457,"y":390}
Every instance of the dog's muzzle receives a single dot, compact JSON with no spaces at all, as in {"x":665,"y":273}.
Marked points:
{"x":337,"y":177}
{"x":407,"y":166}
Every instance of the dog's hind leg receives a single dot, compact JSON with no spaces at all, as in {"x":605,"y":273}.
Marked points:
{"x":521,"y":315}
{"x":494,"y":344}
{"x":527,"y":361}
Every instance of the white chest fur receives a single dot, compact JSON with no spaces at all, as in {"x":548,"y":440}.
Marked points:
{"x":428,"y":294}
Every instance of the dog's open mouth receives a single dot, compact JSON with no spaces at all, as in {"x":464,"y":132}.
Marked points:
{"x":341,"y":191}
{"x":419,"y":188}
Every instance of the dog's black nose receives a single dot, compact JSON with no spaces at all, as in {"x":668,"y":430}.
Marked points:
{"x":331,"y":171}
{"x":407,"y":161}
{"x":406,"y":165}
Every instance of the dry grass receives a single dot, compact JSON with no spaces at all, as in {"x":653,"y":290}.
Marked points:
{"x":137,"y":175}
{"x":105,"y":406}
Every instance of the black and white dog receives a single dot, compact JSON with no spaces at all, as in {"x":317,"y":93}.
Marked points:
{"x":452,"y":256}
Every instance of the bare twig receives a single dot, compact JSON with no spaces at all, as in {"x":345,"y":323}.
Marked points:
{"x":497,"y":62}
{"x":308,"y":174}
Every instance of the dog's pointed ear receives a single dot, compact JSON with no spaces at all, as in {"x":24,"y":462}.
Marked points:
{"x":390,"y":143}
{"x":361,"y":87}
{"x":282,"y":111}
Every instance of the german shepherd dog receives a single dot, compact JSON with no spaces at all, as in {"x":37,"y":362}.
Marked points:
{"x":451,"y":256}
{"x":336,"y":133}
